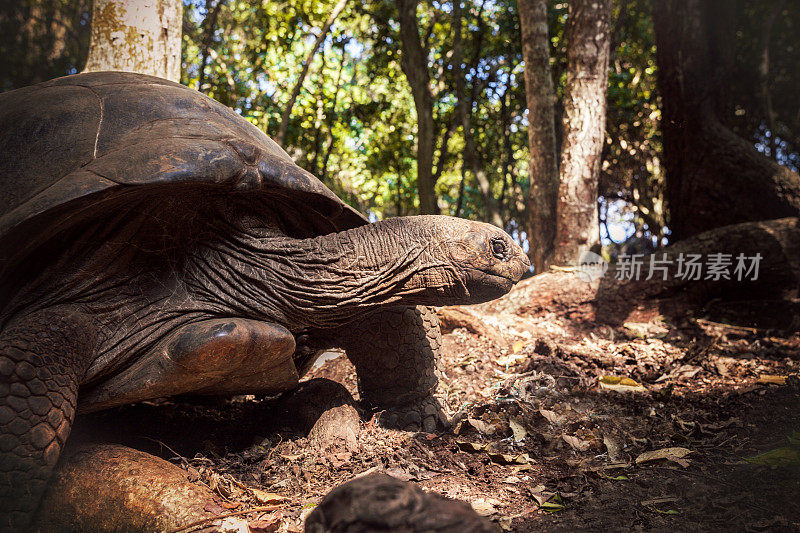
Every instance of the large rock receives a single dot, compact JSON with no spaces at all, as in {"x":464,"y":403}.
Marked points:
{"x":378,"y":502}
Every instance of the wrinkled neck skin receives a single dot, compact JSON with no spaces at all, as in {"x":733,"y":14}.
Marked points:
{"x":326,"y":281}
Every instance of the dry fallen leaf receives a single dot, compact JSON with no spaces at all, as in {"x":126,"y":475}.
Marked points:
{"x":295,"y":528}
{"x":552,"y":417}
{"x":264,"y":526}
{"x":233,"y":524}
{"x":399,"y":473}
{"x":770,"y":379}
{"x":620,"y":384}
{"x":613,"y":446}
{"x":517,"y":428}
{"x":510,"y":458}
{"x":676,"y":455}
{"x":483,"y":427}
{"x":214,"y":508}
{"x":231,"y":505}
{"x":576,"y":443}
{"x":472,"y":447}
{"x":485,"y":506}
{"x":265,"y":498}
{"x":192,"y":474}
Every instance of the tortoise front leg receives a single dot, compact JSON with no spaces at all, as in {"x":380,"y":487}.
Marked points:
{"x":42,"y":359}
{"x":395,"y":352}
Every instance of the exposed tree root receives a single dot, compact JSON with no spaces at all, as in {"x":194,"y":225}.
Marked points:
{"x":614,"y":301}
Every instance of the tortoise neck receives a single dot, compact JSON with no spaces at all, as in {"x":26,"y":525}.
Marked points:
{"x":326,"y":281}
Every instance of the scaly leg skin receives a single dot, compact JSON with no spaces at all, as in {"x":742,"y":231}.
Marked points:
{"x":395,"y":352}
{"x":42,"y":359}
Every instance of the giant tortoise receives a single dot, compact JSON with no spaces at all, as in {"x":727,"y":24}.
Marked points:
{"x":153,"y":243}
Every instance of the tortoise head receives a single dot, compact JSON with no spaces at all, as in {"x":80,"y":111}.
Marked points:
{"x":480,"y":261}
{"x":488,"y":258}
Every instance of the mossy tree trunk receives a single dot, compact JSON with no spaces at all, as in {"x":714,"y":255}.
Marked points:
{"x":141,"y":36}
{"x":543,"y":168}
{"x":588,"y":49}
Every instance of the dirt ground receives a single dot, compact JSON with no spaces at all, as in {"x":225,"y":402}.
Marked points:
{"x":553,"y":419}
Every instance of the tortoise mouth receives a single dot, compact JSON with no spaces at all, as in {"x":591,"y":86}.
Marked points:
{"x":485,"y":286}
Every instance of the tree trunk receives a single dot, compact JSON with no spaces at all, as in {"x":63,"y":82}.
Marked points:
{"x":298,"y":86}
{"x":318,"y":121}
{"x":714,"y":177}
{"x":137,"y":36}
{"x":471,"y":157}
{"x":414,"y":61}
{"x":543,"y":192}
{"x":441,"y":160}
{"x":507,"y":159}
{"x":588,"y":47}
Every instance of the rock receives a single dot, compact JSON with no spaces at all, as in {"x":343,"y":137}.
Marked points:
{"x":104,"y":487}
{"x":378,"y":502}
{"x":325,"y":410}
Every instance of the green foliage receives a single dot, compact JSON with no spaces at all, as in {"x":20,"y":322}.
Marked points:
{"x":42,"y":39}
{"x":354,"y":123}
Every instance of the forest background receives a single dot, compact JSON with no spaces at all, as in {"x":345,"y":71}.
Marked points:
{"x":336,"y":84}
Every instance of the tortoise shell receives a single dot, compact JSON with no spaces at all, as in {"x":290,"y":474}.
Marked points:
{"x":70,"y":142}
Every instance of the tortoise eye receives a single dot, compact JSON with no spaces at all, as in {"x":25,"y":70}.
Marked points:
{"x":499,"y":248}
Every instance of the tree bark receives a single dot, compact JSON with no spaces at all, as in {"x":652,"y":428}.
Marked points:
{"x":471,"y":157}
{"x":714,"y":177}
{"x":588,"y":46}
{"x":320,"y":117}
{"x":414,"y":62}
{"x":542,"y":195}
{"x":298,"y":86}
{"x":441,"y":160}
{"x":507,"y":159}
{"x":141,"y":36}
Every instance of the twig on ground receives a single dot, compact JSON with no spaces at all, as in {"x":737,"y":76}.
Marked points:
{"x":203,"y":521}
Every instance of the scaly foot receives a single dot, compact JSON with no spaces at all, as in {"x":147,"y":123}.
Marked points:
{"x":424,"y":415}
